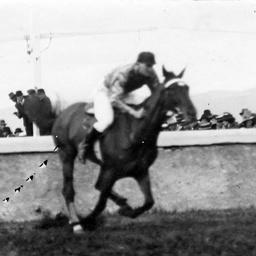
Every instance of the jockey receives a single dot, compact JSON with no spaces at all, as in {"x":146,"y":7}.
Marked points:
{"x":113,"y":92}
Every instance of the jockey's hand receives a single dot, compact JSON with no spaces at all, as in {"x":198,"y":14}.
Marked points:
{"x":139,"y":113}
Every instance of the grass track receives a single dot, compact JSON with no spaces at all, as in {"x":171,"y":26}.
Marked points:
{"x":218,"y":232}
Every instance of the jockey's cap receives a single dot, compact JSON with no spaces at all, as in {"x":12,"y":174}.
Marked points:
{"x":147,"y":58}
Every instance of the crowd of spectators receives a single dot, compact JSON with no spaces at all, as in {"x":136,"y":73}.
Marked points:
{"x":209,"y":121}
{"x":5,"y":130}
{"x":173,"y":122}
{"x":21,"y":104}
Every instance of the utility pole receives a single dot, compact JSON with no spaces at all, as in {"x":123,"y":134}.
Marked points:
{"x":35,"y":55}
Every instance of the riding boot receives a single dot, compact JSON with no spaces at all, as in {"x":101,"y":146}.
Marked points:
{"x":87,"y":144}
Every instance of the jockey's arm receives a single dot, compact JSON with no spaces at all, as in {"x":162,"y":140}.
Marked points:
{"x":118,"y":95}
{"x":127,"y":109}
{"x":153,"y":81}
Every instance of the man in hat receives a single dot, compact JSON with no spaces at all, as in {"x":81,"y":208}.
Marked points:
{"x":21,"y":99}
{"x":5,"y":131}
{"x":13,"y":97}
{"x":45,"y":106}
{"x":31,"y":92}
{"x":245,"y":113}
{"x":113,"y":92}
{"x":229,"y":121}
{"x":205,"y":126}
{"x":249,"y":122}
{"x":45,"y":100}
{"x":2,"y":126}
{"x":17,"y":132}
{"x":206,"y":117}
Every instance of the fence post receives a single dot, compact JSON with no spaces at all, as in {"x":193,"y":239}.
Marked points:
{"x":35,"y":55}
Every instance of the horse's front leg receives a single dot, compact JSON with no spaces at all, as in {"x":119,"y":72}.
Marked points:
{"x":106,"y":179}
{"x":145,"y":187}
{"x":118,"y":199}
{"x":113,"y":195}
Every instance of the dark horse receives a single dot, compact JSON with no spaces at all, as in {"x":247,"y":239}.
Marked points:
{"x":128,"y":148}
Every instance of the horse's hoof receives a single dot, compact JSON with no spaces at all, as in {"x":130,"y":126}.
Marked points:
{"x":89,"y":223}
{"x":125,"y":211}
{"x":77,"y":228}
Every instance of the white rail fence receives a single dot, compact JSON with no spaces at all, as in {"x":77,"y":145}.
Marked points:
{"x":166,"y":139}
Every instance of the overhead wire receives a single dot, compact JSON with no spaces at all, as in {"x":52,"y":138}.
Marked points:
{"x":122,"y":31}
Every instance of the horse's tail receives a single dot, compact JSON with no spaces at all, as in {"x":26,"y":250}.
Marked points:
{"x":58,"y":103}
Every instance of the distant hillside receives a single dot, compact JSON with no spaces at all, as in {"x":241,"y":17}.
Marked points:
{"x":225,"y":101}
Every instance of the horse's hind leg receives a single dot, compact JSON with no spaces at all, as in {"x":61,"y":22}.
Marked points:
{"x":68,"y":188}
{"x":145,"y":187}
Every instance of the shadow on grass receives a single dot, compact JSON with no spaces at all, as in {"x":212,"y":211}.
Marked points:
{"x":216,"y":232}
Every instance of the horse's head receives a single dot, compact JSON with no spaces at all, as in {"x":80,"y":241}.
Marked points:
{"x":177,"y":95}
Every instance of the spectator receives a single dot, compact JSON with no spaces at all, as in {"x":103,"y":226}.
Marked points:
{"x":214,"y":122}
{"x":2,"y":125}
{"x":205,"y":118}
{"x":176,"y":122}
{"x":12,"y":97}
{"x":245,"y":113}
{"x":193,"y":126}
{"x":249,"y":122}
{"x":41,"y":95}
{"x":219,"y":120}
{"x":46,"y":106}
{"x":229,"y":121}
{"x":17,"y":132}
{"x":4,"y":130}
{"x":31,"y":92}
{"x":7,"y":132}
{"x":22,"y":114}
{"x":205,"y":126}
{"x":184,"y":125}
{"x":179,"y":117}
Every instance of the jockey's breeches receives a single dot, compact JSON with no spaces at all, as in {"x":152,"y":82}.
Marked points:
{"x":103,"y":110}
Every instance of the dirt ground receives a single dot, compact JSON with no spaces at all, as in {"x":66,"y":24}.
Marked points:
{"x":219,"y":232}
{"x":205,"y":178}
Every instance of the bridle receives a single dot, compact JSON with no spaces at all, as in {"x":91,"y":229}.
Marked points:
{"x":179,"y":81}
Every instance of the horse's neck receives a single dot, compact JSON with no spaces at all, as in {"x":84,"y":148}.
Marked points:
{"x":149,"y":127}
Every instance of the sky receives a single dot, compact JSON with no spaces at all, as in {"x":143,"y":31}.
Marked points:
{"x":214,"y":40}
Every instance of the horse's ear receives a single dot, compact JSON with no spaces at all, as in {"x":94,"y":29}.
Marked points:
{"x":165,"y":73}
{"x":182,"y":73}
